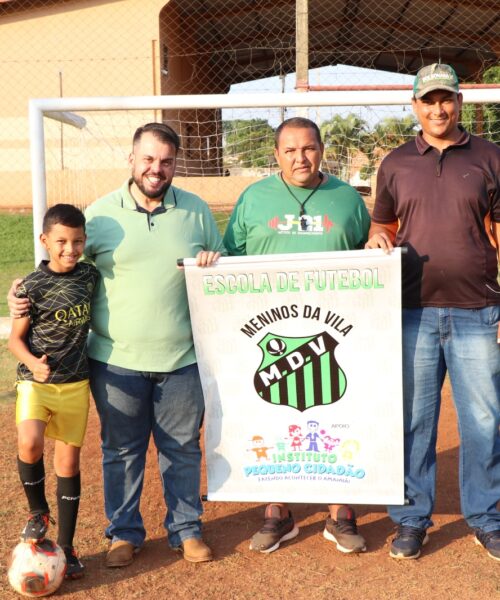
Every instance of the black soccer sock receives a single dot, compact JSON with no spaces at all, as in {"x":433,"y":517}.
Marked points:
{"x":68,"y":501}
{"x":33,"y":479}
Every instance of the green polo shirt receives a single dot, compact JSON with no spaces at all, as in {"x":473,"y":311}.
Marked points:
{"x":140,"y":314}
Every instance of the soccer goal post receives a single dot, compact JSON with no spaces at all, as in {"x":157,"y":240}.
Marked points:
{"x":79,"y":146}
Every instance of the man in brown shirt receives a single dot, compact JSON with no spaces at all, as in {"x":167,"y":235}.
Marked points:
{"x":439,"y":196}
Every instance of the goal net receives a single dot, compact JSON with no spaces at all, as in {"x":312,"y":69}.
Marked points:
{"x":80,"y":146}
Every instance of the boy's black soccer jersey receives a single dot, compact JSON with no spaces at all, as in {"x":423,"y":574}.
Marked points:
{"x":60,"y":318}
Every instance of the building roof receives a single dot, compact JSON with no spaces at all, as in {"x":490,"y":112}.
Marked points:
{"x":391,"y":35}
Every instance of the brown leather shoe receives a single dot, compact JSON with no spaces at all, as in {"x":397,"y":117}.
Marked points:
{"x":120,"y":554}
{"x":195,"y":550}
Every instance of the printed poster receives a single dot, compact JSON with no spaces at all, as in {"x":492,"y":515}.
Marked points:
{"x":300,"y":361}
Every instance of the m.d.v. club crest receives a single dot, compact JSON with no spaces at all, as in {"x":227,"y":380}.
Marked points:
{"x":299,"y":372}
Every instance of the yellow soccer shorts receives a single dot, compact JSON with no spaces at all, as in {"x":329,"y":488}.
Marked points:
{"x":63,"y":406}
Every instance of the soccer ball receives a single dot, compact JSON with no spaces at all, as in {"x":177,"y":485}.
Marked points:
{"x":276,"y":347}
{"x":37,"y":569}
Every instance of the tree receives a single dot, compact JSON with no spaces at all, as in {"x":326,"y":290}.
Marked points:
{"x":488,"y":124}
{"x":387,"y":134}
{"x":342,"y":137}
{"x":248,"y":143}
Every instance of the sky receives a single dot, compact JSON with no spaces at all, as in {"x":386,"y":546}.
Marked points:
{"x":332,"y":75}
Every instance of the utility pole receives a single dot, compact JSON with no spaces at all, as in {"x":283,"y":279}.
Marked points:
{"x":61,"y":132}
{"x":282,"y":109}
{"x":302,"y":48}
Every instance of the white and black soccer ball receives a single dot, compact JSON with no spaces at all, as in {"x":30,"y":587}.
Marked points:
{"x":37,"y":569}
{"x":276,"y":347}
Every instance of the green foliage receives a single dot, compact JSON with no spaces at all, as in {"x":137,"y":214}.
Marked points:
{"x":387,"y":134}
{"x":484,"y":120}
{"x":16,"y":251}
{"x":342,"y":137}
{"x":393,"y":132}
{"x":492,"y":75}
{"x":248,"y":143}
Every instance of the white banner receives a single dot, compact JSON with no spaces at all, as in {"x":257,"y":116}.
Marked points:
{"x":300,"y":360}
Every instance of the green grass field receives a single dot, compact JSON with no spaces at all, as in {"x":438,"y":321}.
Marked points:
{"x":16,"y":251}
{"x":16,"y":260}
{"x":7,"y":373}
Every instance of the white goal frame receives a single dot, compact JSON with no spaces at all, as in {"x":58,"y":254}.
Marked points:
{"x":63,"y":108}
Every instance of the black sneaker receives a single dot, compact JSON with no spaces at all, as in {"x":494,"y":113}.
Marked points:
{"x":408,"y":542}
{"x":490,"y":541}
{"x":274,"y":531}
{"x":344,"y":531}
{"x":36,"y":528}
{"x":74,"y":568}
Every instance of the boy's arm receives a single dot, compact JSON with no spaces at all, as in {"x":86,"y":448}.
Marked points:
{"x":17,"y":345}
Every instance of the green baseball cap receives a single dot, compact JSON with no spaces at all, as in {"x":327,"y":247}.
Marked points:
{"x":435,"y":77}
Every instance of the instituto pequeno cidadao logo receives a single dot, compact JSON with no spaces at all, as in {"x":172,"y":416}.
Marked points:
{"x":300,"y":372}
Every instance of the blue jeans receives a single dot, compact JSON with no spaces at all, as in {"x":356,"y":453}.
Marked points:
{"x":464,"y":343}
{"x":132,"y":405}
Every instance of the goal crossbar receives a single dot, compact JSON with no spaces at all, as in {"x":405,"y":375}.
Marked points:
{"x":61,"y":108}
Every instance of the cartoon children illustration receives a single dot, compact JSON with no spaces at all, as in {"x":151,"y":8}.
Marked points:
{"x":313,"y":436}
{"x":295,"y":433}
{"x":329,"y":442}
{"x":259,"y":448}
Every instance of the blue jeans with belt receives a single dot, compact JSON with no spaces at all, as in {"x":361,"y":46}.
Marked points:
{"x":132,"y":406}
{"x":462,"y":342}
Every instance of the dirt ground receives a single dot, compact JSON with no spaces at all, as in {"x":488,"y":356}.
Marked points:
{"x":309,"y":567}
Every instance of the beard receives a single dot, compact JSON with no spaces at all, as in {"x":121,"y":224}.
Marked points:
{"x":157,"y":194}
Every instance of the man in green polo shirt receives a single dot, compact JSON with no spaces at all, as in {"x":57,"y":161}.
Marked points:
{"x":143,"y":371}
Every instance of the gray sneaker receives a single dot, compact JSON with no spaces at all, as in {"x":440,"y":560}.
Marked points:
{"x":408,"y":542}
{"x":490,"y":541}
{"x":344,"y":531}
{"x":274,"y":531}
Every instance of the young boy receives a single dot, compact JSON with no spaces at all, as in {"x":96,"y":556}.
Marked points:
{"x":52,"y":376}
